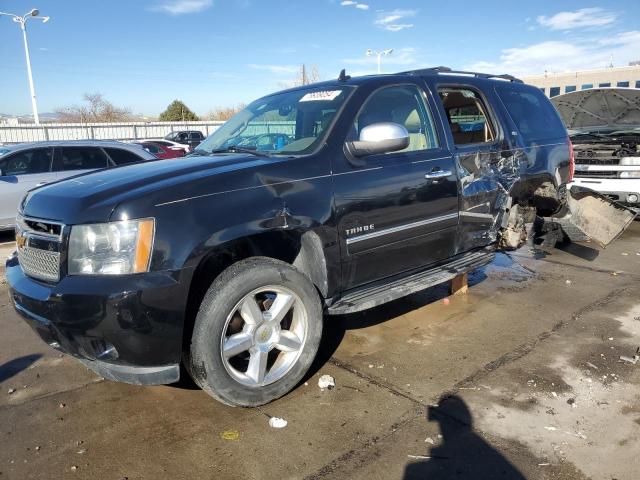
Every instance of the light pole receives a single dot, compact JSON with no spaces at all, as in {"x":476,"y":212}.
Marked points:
{"x":371,"y":53}
{"x":22,"y":21}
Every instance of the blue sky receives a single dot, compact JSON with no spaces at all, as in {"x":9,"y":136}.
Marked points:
{"x":142,"y":54}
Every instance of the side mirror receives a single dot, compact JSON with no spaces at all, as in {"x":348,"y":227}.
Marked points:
{"x":379,"y":138}
{"x":1,"y":174}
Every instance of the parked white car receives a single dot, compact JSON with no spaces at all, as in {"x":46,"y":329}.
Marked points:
{"x":28,"y":165}
{"x":604,"y":124}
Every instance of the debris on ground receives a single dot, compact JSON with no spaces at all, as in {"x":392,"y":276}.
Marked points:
{"x":74,"y":468}
{"x":230,"y":435}
{"x":277,"y":422}
{"x":37,"y":448}
{"x":62,"y":405}
{"x":635,"y":359}
{"x":591,"y":365}
{"x":568,"y":282}
{"x":429,"y":440}
{"x":82,"y":451}
{"x":326,"y":381}
{"x":551,"y":429}
{"x":446,"y":301}
{"x":421,"y":457}
{"x":11,"y":390}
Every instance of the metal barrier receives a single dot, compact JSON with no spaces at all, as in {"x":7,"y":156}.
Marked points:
{"x":99,"y":131}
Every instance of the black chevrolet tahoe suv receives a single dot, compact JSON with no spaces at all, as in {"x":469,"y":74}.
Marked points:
{"x":326,"y":199}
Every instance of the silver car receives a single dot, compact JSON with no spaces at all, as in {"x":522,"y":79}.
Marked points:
{"x":29,"y":165}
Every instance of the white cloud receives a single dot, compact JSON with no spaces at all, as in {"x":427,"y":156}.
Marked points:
{"x":394,"y":20}
{"x":564,"y":56}
{"x":181,"y":7}
{"x":351,"y":3}
{"x":584,"y":17}
{"x":278,"y":69}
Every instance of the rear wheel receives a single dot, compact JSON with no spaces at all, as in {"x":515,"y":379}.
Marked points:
{"x":256,"y":333}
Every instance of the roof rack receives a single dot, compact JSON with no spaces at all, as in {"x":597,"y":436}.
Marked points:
{"x":447,"y":70}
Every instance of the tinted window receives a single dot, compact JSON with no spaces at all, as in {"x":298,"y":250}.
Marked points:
{"x":467,"y":116}
{"x":622,"y":84}
{"x":82,"y":158}
{"x":403,"y":105}
{"x":196,"y":136}
{"x":637,"y":83}
{"x":37,"y":160}
{"x":587,"y":85}
{"x":122,"y":157}
{"x":554,"y":91}
{"x":183,"y":136}
{"x":533,"y":114}
{"x":605,"y":84}
{"x":569,"y":88}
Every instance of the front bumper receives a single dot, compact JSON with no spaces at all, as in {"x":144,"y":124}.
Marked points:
{"x":125,"y":328}
{"x":620,"y":190}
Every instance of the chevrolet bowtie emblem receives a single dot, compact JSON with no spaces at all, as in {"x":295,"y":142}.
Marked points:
{"x":21,"y":240}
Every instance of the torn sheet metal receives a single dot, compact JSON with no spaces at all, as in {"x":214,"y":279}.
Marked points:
{"x":589,"y":215}
{"x":486,"y":179}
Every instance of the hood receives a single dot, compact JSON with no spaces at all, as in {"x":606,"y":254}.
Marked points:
{"x":92,"y":197}
{"x":600,"y":109}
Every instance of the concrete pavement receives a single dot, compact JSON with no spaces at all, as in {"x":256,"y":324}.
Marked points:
{"x":520,"y":378}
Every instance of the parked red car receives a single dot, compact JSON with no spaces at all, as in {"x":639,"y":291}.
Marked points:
{"x":161,"y":151}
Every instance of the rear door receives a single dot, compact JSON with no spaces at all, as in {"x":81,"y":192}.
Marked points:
{"x":71,"y":161}
{"x":396,"y":211}
{"x":477,"y":140}
{"x":22,"y":171}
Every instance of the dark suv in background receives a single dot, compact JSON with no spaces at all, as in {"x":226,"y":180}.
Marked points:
{"x":193,"y":138}
{"x":324,"y":199}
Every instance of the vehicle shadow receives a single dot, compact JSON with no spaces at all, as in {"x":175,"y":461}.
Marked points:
{"x":462,"y":453}
{"x":15,"y":366}
{"x":7,"y":236}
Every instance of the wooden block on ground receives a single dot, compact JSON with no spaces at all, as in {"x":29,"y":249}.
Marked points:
{"x":459,"y":285}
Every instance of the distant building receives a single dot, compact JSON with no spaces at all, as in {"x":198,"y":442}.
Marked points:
{"x":554,"y":84}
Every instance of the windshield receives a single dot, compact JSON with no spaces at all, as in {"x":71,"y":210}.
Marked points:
{"x":293,"y":123}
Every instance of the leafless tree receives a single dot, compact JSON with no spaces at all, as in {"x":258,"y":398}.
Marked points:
{"x":224,"y":113}
{"x":95,"y":109}
{"x":304,"y":76}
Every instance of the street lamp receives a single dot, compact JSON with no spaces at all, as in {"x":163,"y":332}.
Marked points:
{"x":371,"y":53}
{"x":34,"y":13}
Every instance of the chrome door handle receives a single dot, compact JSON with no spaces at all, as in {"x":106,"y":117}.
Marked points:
{"x":438,"y":174}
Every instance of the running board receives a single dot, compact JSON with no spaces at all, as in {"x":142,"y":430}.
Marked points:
{"x":396,"y":287}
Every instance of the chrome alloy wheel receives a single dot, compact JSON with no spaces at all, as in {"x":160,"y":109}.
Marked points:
{"x":264,"y":336}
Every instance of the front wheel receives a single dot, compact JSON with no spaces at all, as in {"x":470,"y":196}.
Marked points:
{"x":256,"y":333}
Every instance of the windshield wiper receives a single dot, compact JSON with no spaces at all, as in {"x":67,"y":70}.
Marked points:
{"x":233,"y":149}
{"x":198,"y":152}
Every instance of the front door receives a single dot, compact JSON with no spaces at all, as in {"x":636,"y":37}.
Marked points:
{"x":21,"y":172}
{"x":396,"y":211}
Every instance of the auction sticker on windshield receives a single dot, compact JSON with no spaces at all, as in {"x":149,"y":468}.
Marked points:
{"x":326,"y":95}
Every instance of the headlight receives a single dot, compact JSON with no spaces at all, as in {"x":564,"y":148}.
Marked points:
{"x":114,"y":248}
{"x":630,"y":174}
{"x":630,"y":161}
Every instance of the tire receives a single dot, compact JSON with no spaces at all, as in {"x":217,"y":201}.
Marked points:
{"x":280,"y":347}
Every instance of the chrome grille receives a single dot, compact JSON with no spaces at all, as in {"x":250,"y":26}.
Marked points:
{"x":38,"y":243}
{"x":40,"y":264}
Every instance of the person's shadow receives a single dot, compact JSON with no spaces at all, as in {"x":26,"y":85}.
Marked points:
{"x":463,"y":454}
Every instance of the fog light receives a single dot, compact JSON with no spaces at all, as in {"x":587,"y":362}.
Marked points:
{"x":633,"y":198}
